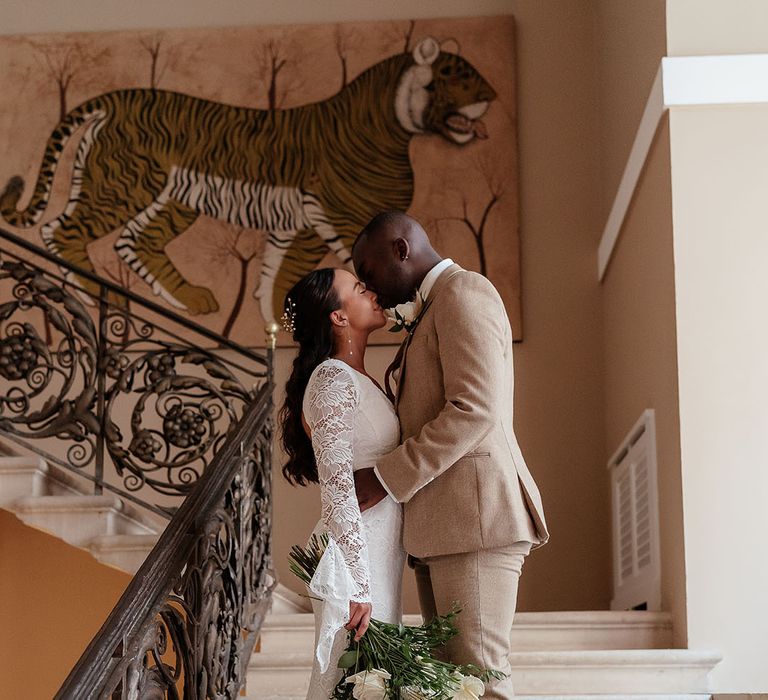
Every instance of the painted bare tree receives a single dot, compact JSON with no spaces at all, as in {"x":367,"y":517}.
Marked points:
{"x":346,"y":41}
{"x":272,"y":62}
{"x":244,"y":246}
{"x":401,"y":35}
{"x":269,"y":63}
{"x":61,"y":61}
{"x":408,"y":36}
{"x":220,"y":245}
{"x":153,"y":46}
{"x":64,"y":61}
{"x":476,"y":221}
{"x":342,"y":51}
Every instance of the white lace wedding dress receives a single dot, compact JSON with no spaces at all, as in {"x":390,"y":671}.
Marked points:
{"x":352,"y":423}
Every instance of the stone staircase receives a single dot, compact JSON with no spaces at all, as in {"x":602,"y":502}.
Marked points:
{"x":52,"y":499}
{"x":574,"y":655}
{"x":117,"y":533}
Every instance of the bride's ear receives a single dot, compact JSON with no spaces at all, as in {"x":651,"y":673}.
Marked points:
{"x":338,"y":319}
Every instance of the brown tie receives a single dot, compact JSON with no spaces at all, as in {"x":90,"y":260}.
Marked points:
{"x":392,"y":367}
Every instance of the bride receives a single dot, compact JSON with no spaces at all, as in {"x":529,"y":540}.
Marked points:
{"x":336,"y":419}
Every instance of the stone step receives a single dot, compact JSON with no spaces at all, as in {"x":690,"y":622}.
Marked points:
{"x":32,"y":475}
{"x":22,"y":476}
{"x":74,"y":519}
{"x":124,"y":552}
{"x":545,"y":631}
{"x":618,"y":672}
{"x":655,"y":696}
{"x":52,"y":499}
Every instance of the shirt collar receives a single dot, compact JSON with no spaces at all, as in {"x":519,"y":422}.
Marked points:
{"x":431,"y":277}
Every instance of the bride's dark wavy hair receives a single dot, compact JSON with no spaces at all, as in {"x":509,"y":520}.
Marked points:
{"x":312,"y":299}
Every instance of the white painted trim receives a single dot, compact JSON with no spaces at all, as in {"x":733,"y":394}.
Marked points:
{"x":649,"y":123}
{"x":715,"y":80}
{"x":682,"y":81}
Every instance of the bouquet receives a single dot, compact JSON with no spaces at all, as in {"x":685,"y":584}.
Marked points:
{"x":397,"y":661}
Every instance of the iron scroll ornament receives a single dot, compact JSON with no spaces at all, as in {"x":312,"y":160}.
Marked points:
{"x":188,"y":621}
{"x":76,"y":380}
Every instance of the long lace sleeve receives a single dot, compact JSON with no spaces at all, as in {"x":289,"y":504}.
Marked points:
{"x":332,"y":399}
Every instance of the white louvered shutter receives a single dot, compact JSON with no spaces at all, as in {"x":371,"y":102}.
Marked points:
{"x":636,"y":566}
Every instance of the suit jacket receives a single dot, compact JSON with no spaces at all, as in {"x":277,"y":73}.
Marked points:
{"x":459,"y":470}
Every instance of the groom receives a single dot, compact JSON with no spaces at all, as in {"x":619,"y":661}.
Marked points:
{"x":472,"y":509}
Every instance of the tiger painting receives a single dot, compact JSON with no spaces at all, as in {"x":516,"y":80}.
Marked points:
{"x":150,"y":162}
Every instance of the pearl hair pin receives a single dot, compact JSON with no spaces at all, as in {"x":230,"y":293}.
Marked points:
{"x":288,"y":319}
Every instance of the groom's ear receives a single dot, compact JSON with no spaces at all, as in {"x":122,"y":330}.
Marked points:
{"x":402,"y":249}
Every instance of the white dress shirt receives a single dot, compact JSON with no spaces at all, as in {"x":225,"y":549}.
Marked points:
{"x":431,"y":277}
{"x":424,"y":289}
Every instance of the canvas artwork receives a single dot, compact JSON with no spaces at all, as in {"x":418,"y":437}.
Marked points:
{"x":210,"y":169}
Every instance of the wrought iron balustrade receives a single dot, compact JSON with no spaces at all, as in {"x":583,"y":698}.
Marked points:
{"x":125,"y":389}
{"x":111,"y":385}
{"x":188,"y":621}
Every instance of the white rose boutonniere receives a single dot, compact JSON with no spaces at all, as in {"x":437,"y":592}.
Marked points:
{"x":369,"y":685}
{"x":406,"y":316}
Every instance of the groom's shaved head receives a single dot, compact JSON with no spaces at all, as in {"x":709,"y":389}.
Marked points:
{"x":387,"y":226}
{"x":383,"y":224}
{"x":392,"y":254}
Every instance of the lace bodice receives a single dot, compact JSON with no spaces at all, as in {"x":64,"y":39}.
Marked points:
{"x":352,"y":423}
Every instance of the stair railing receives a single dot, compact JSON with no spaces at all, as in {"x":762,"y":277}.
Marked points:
{"x":134,"y":396}
{"x":188,"y":621}
{"x":111,"y":386}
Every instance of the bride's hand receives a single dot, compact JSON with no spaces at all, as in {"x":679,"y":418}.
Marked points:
{"x":359,"y":618}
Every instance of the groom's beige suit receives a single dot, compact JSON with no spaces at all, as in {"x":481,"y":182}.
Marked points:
{"x":472,"y":509}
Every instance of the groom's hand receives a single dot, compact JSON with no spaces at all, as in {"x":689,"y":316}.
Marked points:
{"x":368,"y":488}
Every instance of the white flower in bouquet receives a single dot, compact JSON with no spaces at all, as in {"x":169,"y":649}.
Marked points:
{"x":468,"y":688}
{"x":370,"y":685}
{"x":400,"y":655}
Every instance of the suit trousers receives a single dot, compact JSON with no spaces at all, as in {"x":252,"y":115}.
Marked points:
{"x":484,"y":584}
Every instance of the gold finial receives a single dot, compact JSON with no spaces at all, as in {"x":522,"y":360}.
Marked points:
{"x":272,"y":329}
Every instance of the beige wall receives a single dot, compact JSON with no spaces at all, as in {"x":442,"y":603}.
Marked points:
{"x":559,"y":366}
{"x":638,"y":288}
{"x":640,"y":356}
{"x":719,"y":183}
{"x":631,"y":40}
{"x":53,"y":599}
{"x":697,"y":27}
{"x":559,"y":410}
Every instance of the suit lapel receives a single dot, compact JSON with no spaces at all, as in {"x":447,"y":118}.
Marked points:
{"x":436,"y":288}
